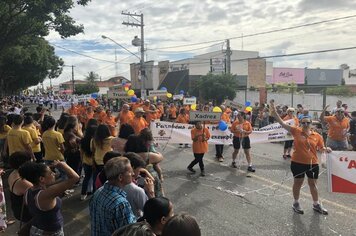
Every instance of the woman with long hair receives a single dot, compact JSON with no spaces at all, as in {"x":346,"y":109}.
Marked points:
{"x":181,"y":224}
{"x":62,"y":122}
{"x":87,"y":160}
{"x":100,"y":145}
{"x":18,"y":186}
{"x":118,"y":143}
{"x":43,"y":199}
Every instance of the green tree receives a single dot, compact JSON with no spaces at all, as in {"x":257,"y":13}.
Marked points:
{"x":23,"y":24}
{"x":86,"y":89}
{"x":216,"y":87}
{"x":92,"y":77}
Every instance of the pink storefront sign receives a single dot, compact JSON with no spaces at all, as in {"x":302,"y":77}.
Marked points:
{"x":288,"y":75}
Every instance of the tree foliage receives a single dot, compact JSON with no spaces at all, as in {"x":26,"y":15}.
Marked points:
{"x":26,"y":58}
{"x":92,"y":77}
{"x":216,"y":87}
{"x":86,"y":88}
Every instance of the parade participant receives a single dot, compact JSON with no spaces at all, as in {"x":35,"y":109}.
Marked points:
{"x":100,"y":145}
{"x":118,"y":143}
{"x":146,"y":105}
{"x":255,"y":111}
{"x":73,"y":110}
{"x":219,"y":148}
{"x":157,"y":211}
{"x":172,"y":112}
{"x":352,"y":130}
{"x":136,"y":105}
{"x":339,"y":125}
{"x":151,"y":114}
{"x":304,"y":159}
{"x":43,"y":199}
{"x":160,"y":111}
{"x":18,"y":139}
{"x":99,"y":114}
{"x":200,"y":135}
{"x":88,"y":114}
{"x":183,"y":118}
{"x":241,"y":129}
{"x":53,"y":143}
{"x":109,"y":208}
{"x":138,"y":122}
{"x":36,"y":140}
{"x":19,"y":186}
{"x":289,"y":143}
{"x":338,"y":106}
{"x":87,"y":157}
{"x":125,"y":114}
{"x":111,"y":122}
{"x":181,"y":224}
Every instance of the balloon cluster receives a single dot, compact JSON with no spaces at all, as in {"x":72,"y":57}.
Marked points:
{"x":248,"y":107}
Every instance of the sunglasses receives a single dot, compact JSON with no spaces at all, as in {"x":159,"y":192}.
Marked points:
{"x":305,"y":123}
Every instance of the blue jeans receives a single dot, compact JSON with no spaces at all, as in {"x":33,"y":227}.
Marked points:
{"x":88,"y":179}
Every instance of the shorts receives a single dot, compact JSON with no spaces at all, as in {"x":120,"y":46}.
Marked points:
{"x":337,"y":145}
{"x":245,"y":142}
{"x":299,"y":170}
{"x":288,"y":144}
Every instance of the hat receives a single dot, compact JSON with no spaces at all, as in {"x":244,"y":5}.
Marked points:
{"x":139,"y":110}
{"x":291,"y":109}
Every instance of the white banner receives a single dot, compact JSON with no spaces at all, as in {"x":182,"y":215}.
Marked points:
{"x":189,"y":101}
{"x":157,"y":93}
{"x":168,"y":132}
{"x":342,"y":172}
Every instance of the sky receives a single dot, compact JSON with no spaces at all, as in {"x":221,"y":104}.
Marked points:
{"x":169,"y":23}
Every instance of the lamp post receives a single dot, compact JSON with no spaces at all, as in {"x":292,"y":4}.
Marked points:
{"x":73,"y":84}
{"x":141,"y":61}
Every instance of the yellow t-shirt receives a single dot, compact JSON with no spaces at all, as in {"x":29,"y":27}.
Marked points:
{"x":17,"y":139}
{"x":101,"y":151}
{"x":52,"y":140}
{"x":60,"y":131}
{"x":34,"y":136}
{"x":88,"y":160}
{"x":6,"y":131}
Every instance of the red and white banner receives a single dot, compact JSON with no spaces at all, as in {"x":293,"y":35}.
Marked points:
{"x":342,"y":172}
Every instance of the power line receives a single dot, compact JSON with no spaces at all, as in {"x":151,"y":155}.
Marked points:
{"x":260,"y":33}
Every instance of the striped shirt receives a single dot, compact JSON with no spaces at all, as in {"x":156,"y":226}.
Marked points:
{"x":109,"y":210}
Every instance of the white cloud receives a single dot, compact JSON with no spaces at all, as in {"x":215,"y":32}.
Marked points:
{"x":171,"y":23}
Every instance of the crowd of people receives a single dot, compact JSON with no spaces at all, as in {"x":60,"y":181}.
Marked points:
{"x":114,"y":159}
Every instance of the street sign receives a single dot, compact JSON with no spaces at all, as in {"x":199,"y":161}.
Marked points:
{"x":189,"y":101}
{"x":157,"y":93}
{"x":204,"y":116}
{"x":118,"y":95}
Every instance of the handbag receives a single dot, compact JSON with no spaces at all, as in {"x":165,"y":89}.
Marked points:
{"x":25,"y":228}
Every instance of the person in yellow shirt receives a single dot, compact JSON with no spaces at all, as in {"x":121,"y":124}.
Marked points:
{"x":19,"y":140}
{"x":36,"y":140}
{"x":4,"y":130}
{"x":53,"y":143}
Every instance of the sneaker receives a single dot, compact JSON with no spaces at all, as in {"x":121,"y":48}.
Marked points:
{"x":320,"y":209}
{"x":83,"y":197}
{"x":251,"y":169}
{"x":202,"y":173}
{"x":191,"y":169}
{"x":297,"y":208}
{"x":220,"y":159}
{"x":233,"y":165}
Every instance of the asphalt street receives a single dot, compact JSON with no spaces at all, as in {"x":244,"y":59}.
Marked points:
{"x":232,"y":202}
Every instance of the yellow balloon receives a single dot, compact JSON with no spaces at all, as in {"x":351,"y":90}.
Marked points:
{"x":130,"y":92}
{"x":193,"y":107}
{"x":248,"y":108}
{"x":126,"y":89}
{"x":169,"y":95}
{"x":217,"y":109}
{"x":155,"y":98}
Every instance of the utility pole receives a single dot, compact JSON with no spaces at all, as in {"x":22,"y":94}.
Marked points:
{"x":138,"y":18}
{"x":116,"y":68}
{"x":73,"y":85}
{"x":228,"y":57}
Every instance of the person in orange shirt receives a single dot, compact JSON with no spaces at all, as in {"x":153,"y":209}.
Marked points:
{"x":88,"y":115}
{"x":73,"y":111}
{"x":183,"y":118}
{"x":172,"y":112}
{"x":136,"y":105}
{"x":339,"y":125}
{"x":151,"y":114}
{"x":146,"y":105}
{"x":160,"y":111}
{"x":289,"y":143}
{"x":241,"y":128}
{"x":125,"y":115}
{"x":200,"y":136}
{"x":111,"y":122}
{"x":219,"y":148}
{"x":304,"y":159}
{"x":138,"y":123}
{"x":99,"y":115}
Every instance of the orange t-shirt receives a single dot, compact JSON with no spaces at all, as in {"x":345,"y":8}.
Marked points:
{"x":151,"y":116}
{"x":73,"y":111}
{"x":110,"y":120}
{"x":296,"y":121}
{"x":184,"y":119}
{"x":305,"y":147}
{"x":138,"y":124}
{"x":237,"y":126}
{"x":200,"y":146}
{"x":160,"y":110}
{"x":172,"y":112}
{"x":146,"y":108}
{"x":228,"y":111}
{"x":337,"y":129}
{"x":125,"y":117}
{"x":225,"y":117}
{"x":100,"y":117}
{"x":88,"y":116}
{"x":135,"y":105}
